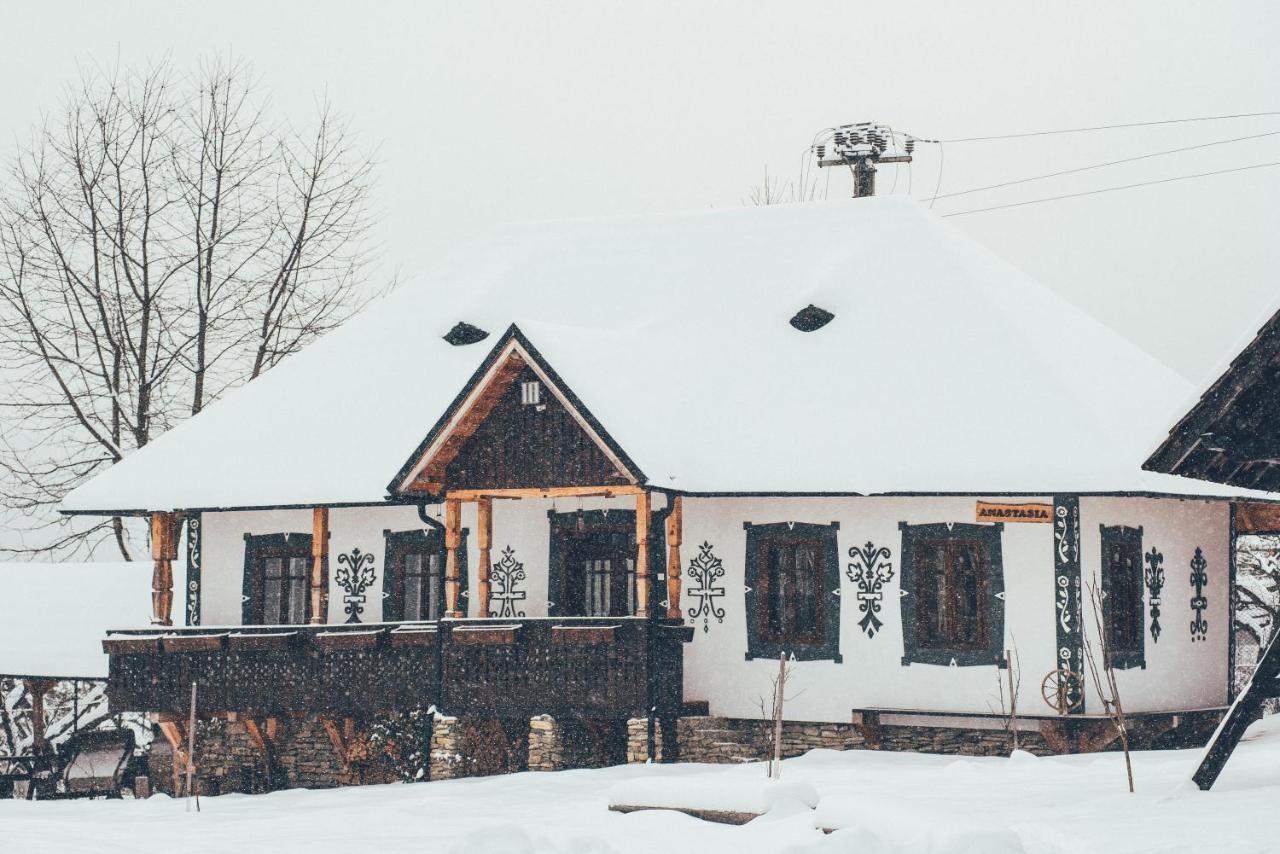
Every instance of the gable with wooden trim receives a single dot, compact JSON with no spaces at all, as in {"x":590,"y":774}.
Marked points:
{"x":516,"y":425}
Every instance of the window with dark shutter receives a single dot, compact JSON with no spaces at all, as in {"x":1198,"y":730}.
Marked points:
{"x":277,"y":580}
{"x":1122,"y":606}
{"x":953,"y":602}
{"x":413,"y":576}
{"x":792,"y":590}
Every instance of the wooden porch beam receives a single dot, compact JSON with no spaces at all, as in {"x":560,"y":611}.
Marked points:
{"x":164,"y":550}
{"x":643,"y":505}
{"x":452,"y":566}
{"x":255,"y":735}
{"x":484,"y":539}
{"x":675,"y":532}
{"x":343,"y":742}
{"x":320,"y":565}
{"x":547,"y":492}
{"x":172,"y":731}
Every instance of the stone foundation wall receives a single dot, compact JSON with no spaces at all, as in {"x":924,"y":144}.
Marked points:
{"x":664,"y":746}
{"x":445,"y":759}
{"x":711,"y":739}
{"x":228,"y":760}
{"x":301,"y":756}
{"x":546,"y":744}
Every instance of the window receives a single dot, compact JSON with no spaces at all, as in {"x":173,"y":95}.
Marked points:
{"x":1122,"y":596}
{"x":592,"y":563}
{"x":277,"y":580}
{"x":413,"y":575}
{"x":531,"y":393}
{"x":793,"y":579}
{"x":953,"y":586}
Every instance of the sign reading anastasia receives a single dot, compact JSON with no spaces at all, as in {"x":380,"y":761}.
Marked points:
{"x":989,"y":512}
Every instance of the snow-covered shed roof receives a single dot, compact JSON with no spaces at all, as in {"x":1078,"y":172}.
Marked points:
{"x":944,"y":370}
{"x":46,"y":632}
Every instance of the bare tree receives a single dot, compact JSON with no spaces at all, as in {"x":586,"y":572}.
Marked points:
{"x":160,"y":242}
{"x":1104,"y":680}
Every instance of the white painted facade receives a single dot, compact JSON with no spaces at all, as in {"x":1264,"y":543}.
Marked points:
{"x":1180,"y":674}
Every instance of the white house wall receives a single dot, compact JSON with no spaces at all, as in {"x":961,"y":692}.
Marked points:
{"x":871,"y":673}
{"x":519,"y":525}
{"x":1180,"y":673}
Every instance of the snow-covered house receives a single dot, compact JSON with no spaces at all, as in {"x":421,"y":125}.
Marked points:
{"x":610,"y":471}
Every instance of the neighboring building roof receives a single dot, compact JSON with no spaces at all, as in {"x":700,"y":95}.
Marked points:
{"x":944,"y":369}
{"x":1232,"y":433}
{"x":53,"y":616}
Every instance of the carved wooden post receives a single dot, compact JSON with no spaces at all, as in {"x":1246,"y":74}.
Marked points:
{"x":452,"y":569}
{"x":484,"y":538}
{"x":675,"y":530}
{"x":642,"y":554}
{"x":37,"y":688}
{"x":164,"y":549}
{"x":320,"y":565}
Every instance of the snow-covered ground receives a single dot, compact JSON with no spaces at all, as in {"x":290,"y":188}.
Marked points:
{"x":885,"y":802}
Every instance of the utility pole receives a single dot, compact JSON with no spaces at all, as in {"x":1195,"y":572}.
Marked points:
{"x":862,"y":147}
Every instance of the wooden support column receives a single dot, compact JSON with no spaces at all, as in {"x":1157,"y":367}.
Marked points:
{"x":37,"y":689}
{"x":320,"y":565}
{"x":164,"y":549}
{"x":484,"y":538}
{"x":675,"y":530}
{"x":452,"y":566}
{"x":643,"y":504}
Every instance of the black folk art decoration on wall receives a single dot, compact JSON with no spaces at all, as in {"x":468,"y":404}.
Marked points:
{"x":704,"y":571}
{"x":870,"y":568}
{"x":1070,"y":605}
{"x":1154,"y":576}
{"x":1199,"y":602}
{"x":194,"y":560}
{"x":505,"y":578}
{"x":355,"y":575}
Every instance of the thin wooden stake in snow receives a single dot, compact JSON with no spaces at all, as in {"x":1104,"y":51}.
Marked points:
{"x":191,"y":746}
{"x":1013,"y":697}
{"x":779,"y":691}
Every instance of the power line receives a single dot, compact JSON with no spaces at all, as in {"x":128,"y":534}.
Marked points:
{"x":1105,"y":127}
{"x":1114,"y":189}
{"x":1108,"y":163}
{"x":942,"y":160}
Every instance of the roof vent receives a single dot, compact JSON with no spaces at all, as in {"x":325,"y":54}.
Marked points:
{"x":811,"y":317}
{"x":465,"y":333}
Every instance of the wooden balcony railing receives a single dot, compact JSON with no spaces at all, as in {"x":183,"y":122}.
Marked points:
{"x":588,"y":667}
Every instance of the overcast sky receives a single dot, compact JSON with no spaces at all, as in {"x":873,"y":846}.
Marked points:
{"x":485,"y":112}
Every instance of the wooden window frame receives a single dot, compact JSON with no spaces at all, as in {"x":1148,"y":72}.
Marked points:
{"x":425,"y":541}
{"x":564,"y":525}
{"x":257,"y":549}
{"x":990,"y":648}
{"x":1133,"y":654}
{"x":823,"y":643}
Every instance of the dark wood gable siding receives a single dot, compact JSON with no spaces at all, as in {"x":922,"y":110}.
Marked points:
{"x":524,"y":446}
{"x":1230,"y":435}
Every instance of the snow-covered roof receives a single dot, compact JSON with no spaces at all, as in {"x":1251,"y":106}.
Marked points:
{"x":944,"y":370}
{"x":53,"y":616}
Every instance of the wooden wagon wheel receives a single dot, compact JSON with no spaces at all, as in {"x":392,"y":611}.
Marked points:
{"x":1061,"y":689}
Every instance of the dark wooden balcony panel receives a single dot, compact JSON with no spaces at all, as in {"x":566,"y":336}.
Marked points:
{"x":193,"y":643}
{"x":584,"y":668}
